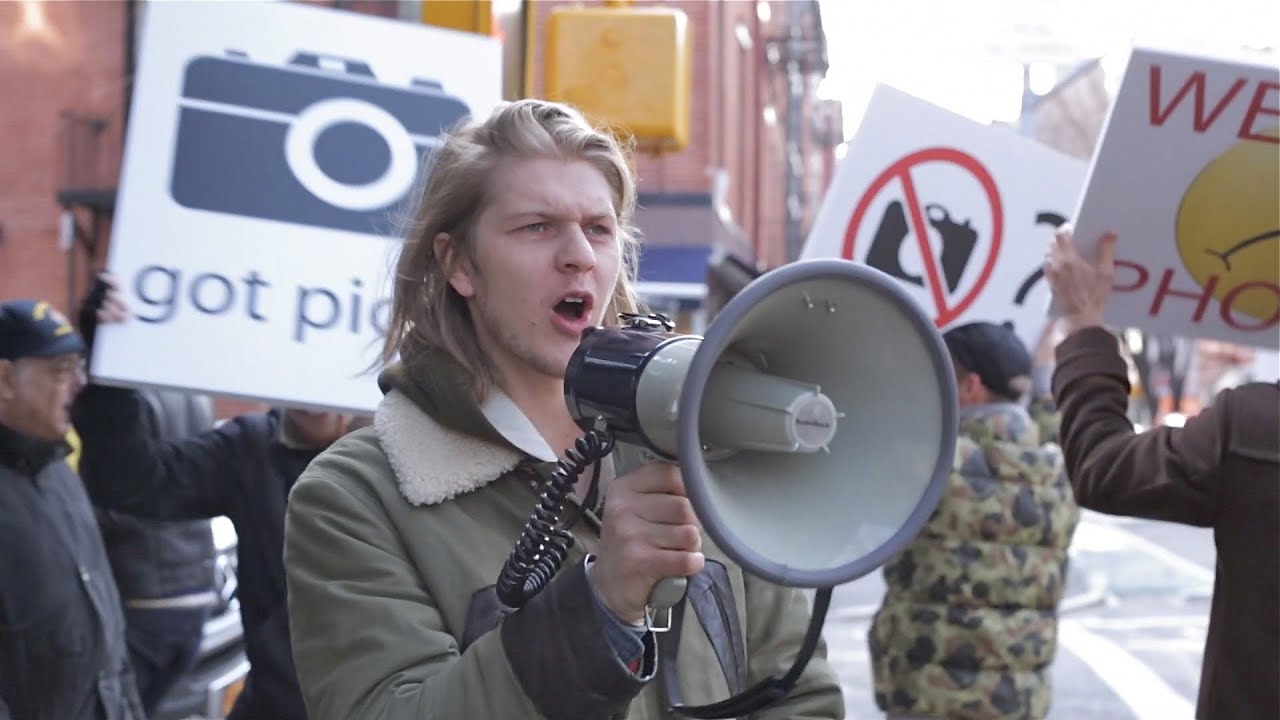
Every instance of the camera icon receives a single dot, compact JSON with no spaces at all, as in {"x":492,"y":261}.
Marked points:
{"x":318,"y":141}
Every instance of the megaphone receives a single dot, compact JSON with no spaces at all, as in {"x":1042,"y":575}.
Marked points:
{"x":814,"y":424}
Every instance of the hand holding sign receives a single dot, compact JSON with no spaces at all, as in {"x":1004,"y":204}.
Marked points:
{"x":1080,"y":288}
{"x":113,"y":308}
{"x":102,"y":305}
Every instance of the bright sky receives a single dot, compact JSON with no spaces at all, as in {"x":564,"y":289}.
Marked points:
{"x":965,"y":56}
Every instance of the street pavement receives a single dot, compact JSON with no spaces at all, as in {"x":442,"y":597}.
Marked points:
{"x":1131,"y":631}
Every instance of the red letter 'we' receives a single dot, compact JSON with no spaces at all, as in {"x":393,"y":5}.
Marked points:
{"x":1195,"y":84}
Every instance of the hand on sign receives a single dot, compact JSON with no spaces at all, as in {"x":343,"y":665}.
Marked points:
{"x":1080,"y":288}
{"x":103,"y":304}
{"x":113,"y":309}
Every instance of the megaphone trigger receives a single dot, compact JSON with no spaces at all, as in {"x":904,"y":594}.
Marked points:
{"x":664,"y":596}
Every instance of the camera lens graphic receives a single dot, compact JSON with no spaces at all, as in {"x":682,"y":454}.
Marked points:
{"x":390,"y":186}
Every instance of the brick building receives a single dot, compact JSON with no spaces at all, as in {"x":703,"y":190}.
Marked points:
{"x":62,"y":66}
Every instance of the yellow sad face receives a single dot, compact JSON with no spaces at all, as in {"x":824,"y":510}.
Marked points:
{"x":1229,"y":226}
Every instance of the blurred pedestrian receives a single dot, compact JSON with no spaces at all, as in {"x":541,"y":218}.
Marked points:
{"x":968,"y":627}
{"x":164,"y":568}
{"x":62,"y":632}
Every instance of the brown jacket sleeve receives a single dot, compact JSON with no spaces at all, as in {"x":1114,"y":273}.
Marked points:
{"x":1164,"y":473}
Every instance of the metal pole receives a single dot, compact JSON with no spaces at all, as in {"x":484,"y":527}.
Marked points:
{"x":1027,"y":117}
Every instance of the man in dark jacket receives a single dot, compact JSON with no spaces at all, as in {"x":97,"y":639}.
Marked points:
{"x":242,"y":469}
{"x":62,"y":633}
{"x":1220,"y":470}
{"x":164,"y":569}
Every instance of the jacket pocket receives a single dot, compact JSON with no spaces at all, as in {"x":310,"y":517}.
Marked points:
{"x":44,"y":659}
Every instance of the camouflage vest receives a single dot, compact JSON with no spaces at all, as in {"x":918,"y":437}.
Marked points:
{"x":969,"y":622}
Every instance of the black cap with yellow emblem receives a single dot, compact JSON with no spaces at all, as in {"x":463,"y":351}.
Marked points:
{"x":34,"y":328}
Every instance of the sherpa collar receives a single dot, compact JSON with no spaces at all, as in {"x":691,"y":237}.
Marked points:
{"x":434,"y":463}
{"x":434,"y":460}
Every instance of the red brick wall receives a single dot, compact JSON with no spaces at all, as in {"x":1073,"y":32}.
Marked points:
{"x":53,"y":57}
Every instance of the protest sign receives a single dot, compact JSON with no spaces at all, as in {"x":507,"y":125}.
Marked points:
{"x":960,"y":213}
{"x":1187,"y":174}
{"x":272,"y":156}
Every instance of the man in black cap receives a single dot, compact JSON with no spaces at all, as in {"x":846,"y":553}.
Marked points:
{"x":969,"y":621}
{"x":62,"y":631}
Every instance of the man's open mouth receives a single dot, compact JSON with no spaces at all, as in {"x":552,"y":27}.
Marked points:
{"x":573,"y":306}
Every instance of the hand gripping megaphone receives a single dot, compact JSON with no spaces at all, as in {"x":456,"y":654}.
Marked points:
{"x":814,"y":425}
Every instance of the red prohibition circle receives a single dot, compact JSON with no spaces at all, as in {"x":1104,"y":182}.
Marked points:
{"x":901,"y":170}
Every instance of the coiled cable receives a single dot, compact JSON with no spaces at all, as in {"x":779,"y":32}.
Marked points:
{"x":544,"y":544}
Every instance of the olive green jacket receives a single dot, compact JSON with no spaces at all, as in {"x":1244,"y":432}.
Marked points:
{"x":394,"y":538}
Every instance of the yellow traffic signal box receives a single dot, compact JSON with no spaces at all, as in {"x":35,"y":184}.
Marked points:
{"x":473,"y":16}
{"x":627,"y":67}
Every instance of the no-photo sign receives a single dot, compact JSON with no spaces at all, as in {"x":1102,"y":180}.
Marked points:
{"x":959,"y":213}
{"x":903,"y":228}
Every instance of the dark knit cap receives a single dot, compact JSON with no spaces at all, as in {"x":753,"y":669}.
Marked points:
{"x":994,"y":353}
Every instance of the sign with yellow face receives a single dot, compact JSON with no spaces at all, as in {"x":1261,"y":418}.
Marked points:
{"x":1188,"y":175}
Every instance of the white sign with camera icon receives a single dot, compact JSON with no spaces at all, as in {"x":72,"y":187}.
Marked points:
{"x":273,"y":159}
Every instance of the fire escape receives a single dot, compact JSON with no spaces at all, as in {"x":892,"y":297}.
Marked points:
{"x":85,"y":197}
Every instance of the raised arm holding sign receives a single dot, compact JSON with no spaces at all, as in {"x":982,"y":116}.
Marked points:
{"x":1221,"y":470}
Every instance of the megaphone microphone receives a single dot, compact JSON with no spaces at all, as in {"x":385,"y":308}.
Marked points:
{"x":814,"y":425}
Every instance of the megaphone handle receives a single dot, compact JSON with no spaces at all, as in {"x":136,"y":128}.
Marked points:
{"x":667,"y":592}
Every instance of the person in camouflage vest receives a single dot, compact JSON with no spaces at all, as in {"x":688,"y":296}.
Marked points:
{"x":968,"y":625}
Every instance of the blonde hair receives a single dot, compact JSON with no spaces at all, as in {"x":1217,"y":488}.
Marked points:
{"x":427,"y":314}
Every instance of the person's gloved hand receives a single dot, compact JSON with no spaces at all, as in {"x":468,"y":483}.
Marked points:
{"x":101,"y":305}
